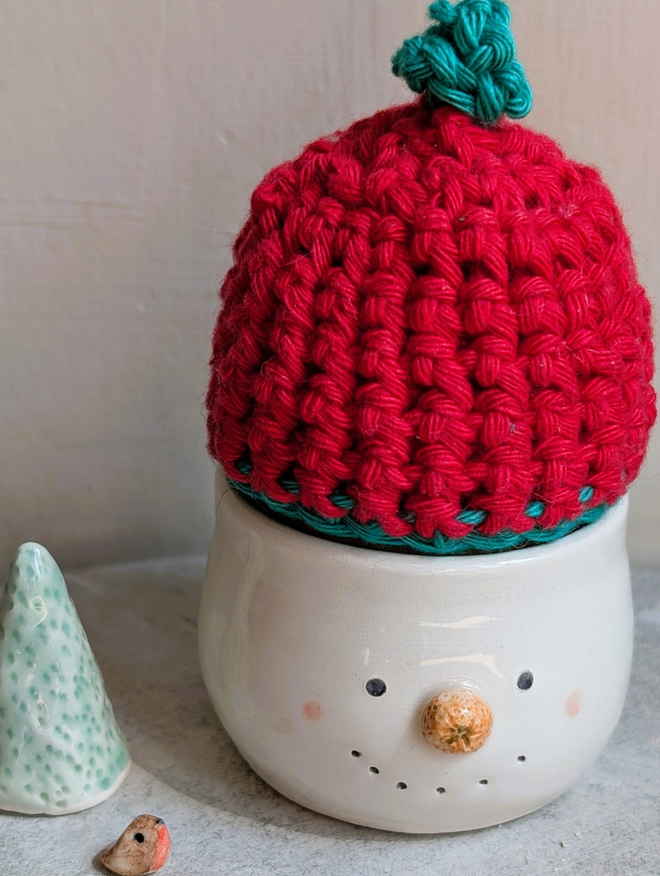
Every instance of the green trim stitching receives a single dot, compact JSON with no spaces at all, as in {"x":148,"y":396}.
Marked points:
{"x":346,"y":527}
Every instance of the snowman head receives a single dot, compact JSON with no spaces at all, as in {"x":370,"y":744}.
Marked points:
{"x":433,"y":363}
{"x":415,"y":693}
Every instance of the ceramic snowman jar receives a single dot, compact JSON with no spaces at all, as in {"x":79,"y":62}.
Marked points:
{"x":323,"y":661}
{"x":430,"y":389}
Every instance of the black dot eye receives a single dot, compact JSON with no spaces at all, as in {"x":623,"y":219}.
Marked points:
{"x":525,"y":680}
{"x":376,"y":687}
{"x":138,"y":837}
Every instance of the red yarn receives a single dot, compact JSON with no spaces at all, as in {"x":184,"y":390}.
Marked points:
{"x":429,"y":315}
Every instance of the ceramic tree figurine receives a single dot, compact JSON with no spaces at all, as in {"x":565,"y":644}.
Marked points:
{"x":60,"y":748}
{"x":430,"y":391}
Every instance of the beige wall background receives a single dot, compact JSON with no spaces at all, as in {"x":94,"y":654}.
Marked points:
{"x":132,"y":134}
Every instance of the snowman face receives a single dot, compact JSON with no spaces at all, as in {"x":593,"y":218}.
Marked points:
{"x":457,"y":721}
{"x":412,"y":693}
{"x":487,"y":726}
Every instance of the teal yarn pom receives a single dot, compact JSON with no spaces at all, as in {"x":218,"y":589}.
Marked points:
{"x":467,"y":59}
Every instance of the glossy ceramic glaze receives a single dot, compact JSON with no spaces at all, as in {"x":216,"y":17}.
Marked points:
{"x":61,"y":750}
{"x":300,"y":635}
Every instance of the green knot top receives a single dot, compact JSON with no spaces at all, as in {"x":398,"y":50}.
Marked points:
{"x":467,"y":59}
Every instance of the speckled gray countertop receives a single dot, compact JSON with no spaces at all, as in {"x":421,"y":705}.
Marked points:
{"x":141,"y":622}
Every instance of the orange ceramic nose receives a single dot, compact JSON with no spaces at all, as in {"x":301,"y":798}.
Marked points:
{"x":457,"y":721}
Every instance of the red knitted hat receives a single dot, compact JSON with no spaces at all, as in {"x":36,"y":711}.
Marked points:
{"x":433,"y":336}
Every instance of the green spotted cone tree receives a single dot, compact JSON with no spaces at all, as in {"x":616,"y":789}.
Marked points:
{"x":60,"y":748}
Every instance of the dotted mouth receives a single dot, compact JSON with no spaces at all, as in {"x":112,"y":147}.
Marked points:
{"x":403,"y":786}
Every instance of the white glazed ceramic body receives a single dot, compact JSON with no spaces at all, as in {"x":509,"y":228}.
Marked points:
{"x":292,"y":627}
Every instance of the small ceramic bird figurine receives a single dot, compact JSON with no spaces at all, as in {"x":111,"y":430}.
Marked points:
{"x":142,"y":848}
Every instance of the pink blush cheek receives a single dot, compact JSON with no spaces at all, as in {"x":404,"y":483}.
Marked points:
{"x":312,"y":710}
{"x":574,"y":704}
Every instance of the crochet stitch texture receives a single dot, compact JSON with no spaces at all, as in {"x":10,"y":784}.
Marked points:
{"x":433,"y":330}
{"x":467,"y":59}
